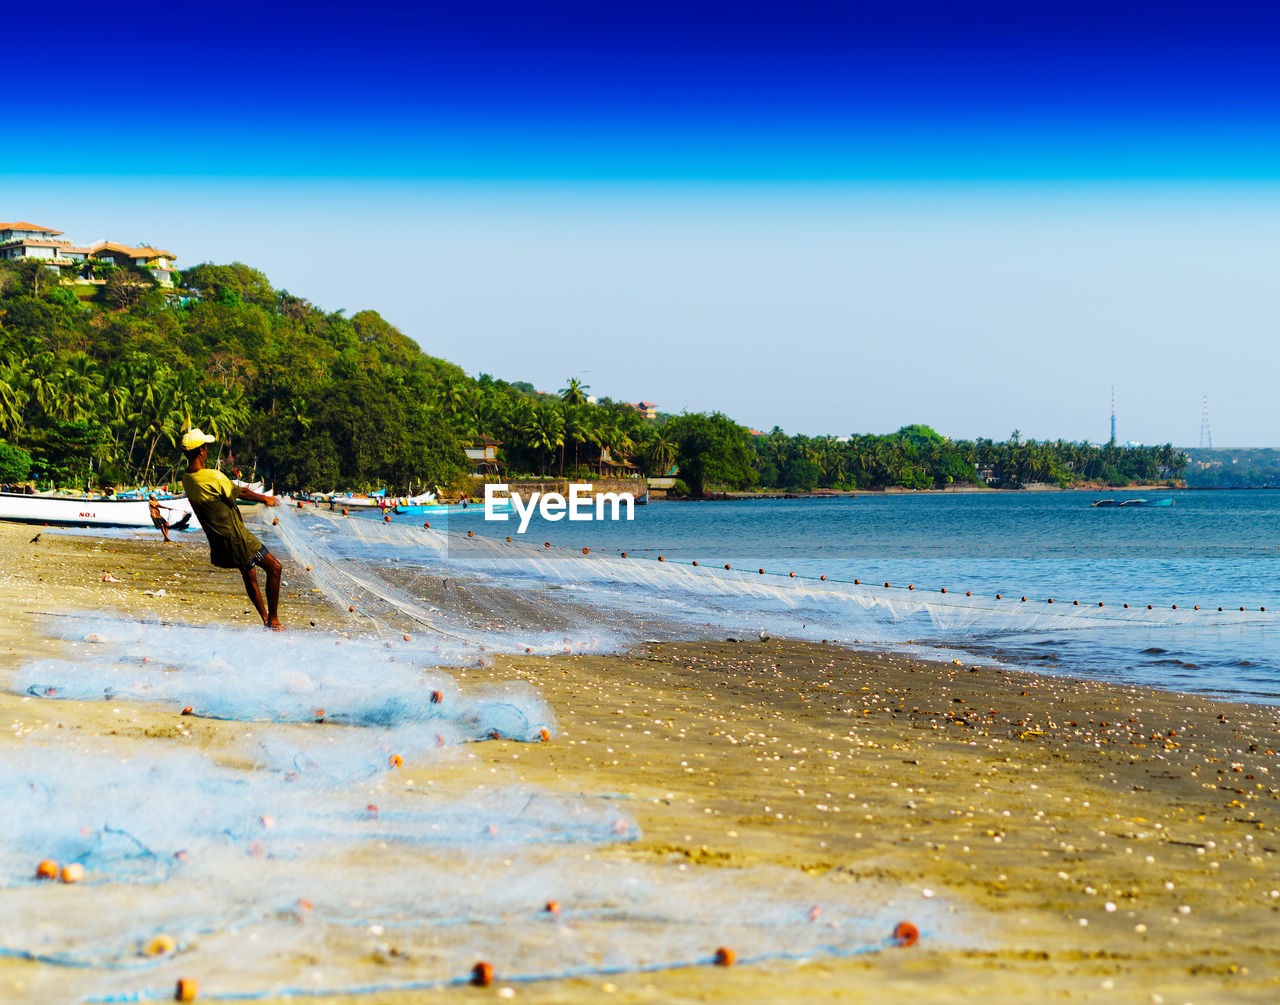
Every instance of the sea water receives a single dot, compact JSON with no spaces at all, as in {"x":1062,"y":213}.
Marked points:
{"x":1209,"y":550}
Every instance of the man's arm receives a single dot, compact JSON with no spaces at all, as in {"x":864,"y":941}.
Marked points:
{"x":258,"y":497}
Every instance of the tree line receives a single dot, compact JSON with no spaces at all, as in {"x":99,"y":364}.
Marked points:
{"x":99,"y":392}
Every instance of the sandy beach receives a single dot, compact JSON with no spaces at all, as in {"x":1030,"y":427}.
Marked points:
{"x":1056,"y":839}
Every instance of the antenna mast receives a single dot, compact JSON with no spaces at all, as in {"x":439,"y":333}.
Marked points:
{"x":1206,"y":435}
{"x":1113,"y":415}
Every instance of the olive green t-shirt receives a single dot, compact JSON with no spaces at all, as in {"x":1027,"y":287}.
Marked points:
{"x":213,"y":497}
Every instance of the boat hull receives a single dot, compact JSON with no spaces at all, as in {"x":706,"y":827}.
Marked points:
{"x":73,"y":511}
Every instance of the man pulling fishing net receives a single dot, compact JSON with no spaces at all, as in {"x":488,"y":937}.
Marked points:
{"x":213,"y":497}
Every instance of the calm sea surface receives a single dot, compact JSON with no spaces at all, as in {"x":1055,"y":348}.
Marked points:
{"x":1212,"y":549}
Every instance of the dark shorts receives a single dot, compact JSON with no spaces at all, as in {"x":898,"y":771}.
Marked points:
{"x":258,"y":556}
{"x":160,"y":522}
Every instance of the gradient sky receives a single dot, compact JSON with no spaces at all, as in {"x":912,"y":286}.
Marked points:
{"x":833,"y":217}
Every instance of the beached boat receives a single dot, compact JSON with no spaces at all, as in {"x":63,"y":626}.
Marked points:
{"x":92,"y":511}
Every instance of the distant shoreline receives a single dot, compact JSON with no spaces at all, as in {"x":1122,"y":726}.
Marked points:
{"x":953,"y":490}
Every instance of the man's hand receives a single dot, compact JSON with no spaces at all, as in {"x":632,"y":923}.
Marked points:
{"x":271,"y":500}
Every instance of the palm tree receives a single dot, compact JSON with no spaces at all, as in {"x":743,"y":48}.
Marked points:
{"x":659,"y":451}
{"x":573,"y":394}
{"x":546,"y":432}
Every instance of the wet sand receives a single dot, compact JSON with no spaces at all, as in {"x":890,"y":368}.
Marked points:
{"x":1091,"y":842}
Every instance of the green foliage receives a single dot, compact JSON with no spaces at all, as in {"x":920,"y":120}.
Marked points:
{"x":711,"y":450}
{"x":15,"y":463}
{"x":917,"y":457}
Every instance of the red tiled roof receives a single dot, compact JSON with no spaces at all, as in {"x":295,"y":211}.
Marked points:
{"x":23,"y":225}
{"x":125,"y":249}
{"x":647,"y":404}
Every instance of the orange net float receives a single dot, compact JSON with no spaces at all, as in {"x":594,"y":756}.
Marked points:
{"x":1175,"y":607}
{"x":792,"y":575}
{"x":544,"y":735}
{"x":724,"y":957}
{"x":275,"y":521}
{"x":886,"y":586}
{"x":999,"y":597}
{"x":471,"y":533}
{"x":1075,"y":603}
{"x":762,"y":572}
{"x":508,"y":540}
{"x":1126,"y":607}
{"x":944,"y":589}
{"x":1197,"y":606}
{"x":72,"y":872}
{"x":395,"y":761}
{"x":1219,"y":609}
{"x":910,"y":586}
{"x":386,"y":518}
{"x":857,"y":582}
{"x":968,"y":593}
{"x":553,"y":907}
{"x":319,"y":715}
{"x":351,"y":607}
{"x":436,"y":697}
{"x":1100,"y":604}
{"x":47,"y":869}
{"x":1149,"y":607}
{"x":624,"y":555}
{"x":345,"y":513}
{"x":426,"y":526}
{"x":727,"y":565}
{"x":695,"y":561}
{"x":185,"y":990}
{"x":905,"y":933}
{"x":823,"y":578}
{"x":586,"y":551}
{"x":546,"y":544}
{"x":663,"y":559}
{"x":1023,"y":600}
{"x":482,"y":974}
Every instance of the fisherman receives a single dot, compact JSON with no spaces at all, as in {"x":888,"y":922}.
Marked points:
{"x":213,"y":497}
{"x":156,"y":518}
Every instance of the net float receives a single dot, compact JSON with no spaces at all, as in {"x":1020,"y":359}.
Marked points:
{"x":726,"y":565}
{"x":482,"y":974}
{"x":695,"y":561}
{"x":624,"y":554}
{"x":471,"y":533}
{"x":886,"y":586}
{"x":999,"y":597}
{"x":553,"y":907}
{"x":437,"y":697}
{"x":762,"y":572}
{"x":275,"y":521}
{"x":407,"y":639}
{"x":188,"y":710}
{"x":906,"y":934}
{"x":386,"y":518}
{"x":351,"y":607}
{"x":494,"y":735}
{"x":308,"y":568}
{"x":426,"y":526}
{"x":823,"y":578}
{"x":319,"y":715}
{"x":395,"y":761}
{"x":508,"y":540}
{"x":724,"y":957}
{"x":910,"y":586}
{"x":944,"y":589}
{"x":586,"y":551}
{"x":72,"y":872}
{"x":544,"y":735}
{"x":160,"y":945}
{"x":858,"y":582}
{"x":1023,"y":600}
{"x":792,"y":575}
{"x":46,"y":869}
{"x":186,"y":990}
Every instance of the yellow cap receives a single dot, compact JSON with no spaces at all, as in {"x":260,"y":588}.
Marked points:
{"x":193,"y":438}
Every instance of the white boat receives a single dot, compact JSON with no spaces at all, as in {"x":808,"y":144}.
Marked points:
{"x":93,"y":511}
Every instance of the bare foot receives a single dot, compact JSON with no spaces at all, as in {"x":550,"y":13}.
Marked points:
{"x":274,"y":625}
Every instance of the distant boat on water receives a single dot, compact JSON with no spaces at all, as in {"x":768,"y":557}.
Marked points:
{"x":1122,"y":503}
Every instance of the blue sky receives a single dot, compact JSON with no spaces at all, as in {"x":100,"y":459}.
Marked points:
{"x":835,"y":217}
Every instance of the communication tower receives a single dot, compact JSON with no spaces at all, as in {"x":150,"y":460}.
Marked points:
{"x":1113,"y":415}
{"x":1206,"y":435}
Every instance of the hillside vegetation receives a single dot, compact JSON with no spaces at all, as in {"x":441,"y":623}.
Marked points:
{"x":99,"y":393}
